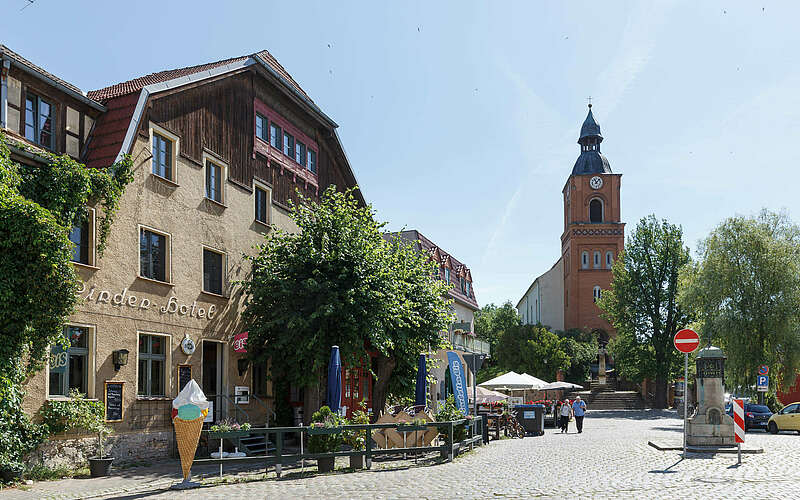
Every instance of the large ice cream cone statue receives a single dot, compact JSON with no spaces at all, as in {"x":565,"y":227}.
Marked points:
{"x":189,"y":410}
{"x":187,"y":433}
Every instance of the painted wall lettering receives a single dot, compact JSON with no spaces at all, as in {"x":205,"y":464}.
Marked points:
{"x":124,"y":299}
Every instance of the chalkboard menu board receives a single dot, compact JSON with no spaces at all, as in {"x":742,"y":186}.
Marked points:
{"x":184,"y":376}
{"x":114,"y":392}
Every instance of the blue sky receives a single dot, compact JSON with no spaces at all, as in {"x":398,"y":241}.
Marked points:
{"x":461,"y":119}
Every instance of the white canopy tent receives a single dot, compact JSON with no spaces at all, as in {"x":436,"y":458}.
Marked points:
{"x":552,"y":386}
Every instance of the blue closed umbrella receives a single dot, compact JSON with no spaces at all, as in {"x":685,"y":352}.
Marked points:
{"x":334,"y":394}
{"x":422,"y":383}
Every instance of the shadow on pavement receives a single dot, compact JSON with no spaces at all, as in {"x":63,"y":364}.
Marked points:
{"x":632,"y":414}
{"x":668,"y":470}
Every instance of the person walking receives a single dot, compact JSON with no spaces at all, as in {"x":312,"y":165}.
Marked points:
{"x":565,"y":412}
{"x":579,"y":410}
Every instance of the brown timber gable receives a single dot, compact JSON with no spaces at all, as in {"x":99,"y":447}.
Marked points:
{"x":219,"y":116}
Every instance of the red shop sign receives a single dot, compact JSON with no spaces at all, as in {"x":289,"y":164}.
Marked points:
{"x":240,"y":342}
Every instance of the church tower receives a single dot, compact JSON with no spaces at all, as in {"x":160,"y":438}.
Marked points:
{"x":593,"y":231}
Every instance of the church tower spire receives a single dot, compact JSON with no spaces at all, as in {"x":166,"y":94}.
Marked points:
{"x":593,"y":233}
{"x":591,"y":161}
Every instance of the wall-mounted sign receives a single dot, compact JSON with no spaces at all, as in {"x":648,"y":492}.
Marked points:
{"x":242,"y":394}
{"x":125,"y":299}
{"x":187,"y":345}
{"x":184,"y":376}
{"x":240,"y":342}
{"x":114,"y":392}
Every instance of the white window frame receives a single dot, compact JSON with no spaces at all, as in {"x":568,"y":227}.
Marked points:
{"x":596,"y":293}
{"x":609,"y":259}
{"x":92,"y":264}
{"x":155,"y":129}
{"x":224,"y":270}
{"x":223,"y":181}
{"x":167,"y":366}
{"x":167,"y":264}
{"x":585,"y":260}
{"x":596,"y":259}
{"x":268,"y":189}
{"x":91,"y":369}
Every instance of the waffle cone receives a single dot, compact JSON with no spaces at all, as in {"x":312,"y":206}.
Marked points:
{"x":187,"y":434}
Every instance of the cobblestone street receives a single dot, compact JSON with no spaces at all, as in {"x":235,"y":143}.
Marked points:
{"x":610,"y":459}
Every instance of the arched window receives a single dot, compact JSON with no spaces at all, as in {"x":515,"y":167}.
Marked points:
{"x":597,"y":260}
{"x":585,"y":260}
{"x":595,"y":210}
{"x":596,"y":293}
{"x":609,"y":259}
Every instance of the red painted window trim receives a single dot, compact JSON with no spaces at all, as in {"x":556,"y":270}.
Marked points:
{"x":263,"y":147}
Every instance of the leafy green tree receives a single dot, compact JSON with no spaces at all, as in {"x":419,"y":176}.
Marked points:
{"x":39,"y":204}
{"x":491,"y":321}
{"x":532,"y":349}
{"x":643,"y":304}
{"x":745,"y":291}
{"x":581,"y":347}
{"x":340,"y":281}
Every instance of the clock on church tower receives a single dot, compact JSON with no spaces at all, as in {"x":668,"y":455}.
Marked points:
{"x":593,"y":234}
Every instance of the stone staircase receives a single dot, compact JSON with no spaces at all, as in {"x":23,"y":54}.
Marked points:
{"x":606,"y":397}
{"x":255,"y":444}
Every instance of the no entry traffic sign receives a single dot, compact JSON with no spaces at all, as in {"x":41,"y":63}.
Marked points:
{"x":686,"y":340}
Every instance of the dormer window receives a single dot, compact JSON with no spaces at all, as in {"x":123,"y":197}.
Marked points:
{"x":468,"y":287}
{"x":447,"y":275}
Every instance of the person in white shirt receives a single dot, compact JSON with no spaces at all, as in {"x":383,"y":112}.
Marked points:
{"x":566,"y":413}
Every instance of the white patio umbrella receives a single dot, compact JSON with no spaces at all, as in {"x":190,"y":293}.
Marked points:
{"x":560,"y":385}
{"x":510,"y":381}
{"x":488,"y":396}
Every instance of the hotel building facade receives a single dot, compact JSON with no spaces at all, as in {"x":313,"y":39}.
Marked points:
{"x":218,"y":151}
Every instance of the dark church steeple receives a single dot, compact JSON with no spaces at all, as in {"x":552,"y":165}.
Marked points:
{"x":591,"y":161}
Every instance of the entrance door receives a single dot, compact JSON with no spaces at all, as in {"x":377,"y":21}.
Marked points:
{"x":213,"y":377}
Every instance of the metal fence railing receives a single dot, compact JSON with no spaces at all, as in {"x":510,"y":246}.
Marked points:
{"x":278,"y":457}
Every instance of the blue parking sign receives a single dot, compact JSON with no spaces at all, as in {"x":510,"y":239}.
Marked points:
{"x":762,"y":382}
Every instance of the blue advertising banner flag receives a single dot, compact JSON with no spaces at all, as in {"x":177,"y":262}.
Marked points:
{"x":459,"y":379}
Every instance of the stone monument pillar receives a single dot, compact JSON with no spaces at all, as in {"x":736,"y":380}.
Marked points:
{"x":601,"y":366}
{"x":710,"y":426}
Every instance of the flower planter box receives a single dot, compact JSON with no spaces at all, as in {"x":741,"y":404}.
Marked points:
{"x":316,"y":431}
{"x":228,"y":434}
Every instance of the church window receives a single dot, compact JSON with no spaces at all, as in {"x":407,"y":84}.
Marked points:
{"x":596,"y":293}
{"x":585,"y":260}
{"x":595,"y":211}
{"x":597,"y":260}
{"x":609,"y":259}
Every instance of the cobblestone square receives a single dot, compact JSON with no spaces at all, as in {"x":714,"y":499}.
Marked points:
{"x":610,"y":459}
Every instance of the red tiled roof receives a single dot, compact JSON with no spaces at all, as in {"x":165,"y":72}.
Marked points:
{"x":137,"y":84}
{"x":109,"y":131}
{"x":120,"y":99}
{"x":427,"y":245}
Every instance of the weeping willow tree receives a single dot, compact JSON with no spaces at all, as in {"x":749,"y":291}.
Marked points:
{"x":745,"y":291}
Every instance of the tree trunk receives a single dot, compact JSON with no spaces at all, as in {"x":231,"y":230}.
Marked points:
{"x":661,"y":392}
{"x":383,"y":371}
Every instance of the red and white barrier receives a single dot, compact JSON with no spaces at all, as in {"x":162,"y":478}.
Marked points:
{"x":738,"y":420}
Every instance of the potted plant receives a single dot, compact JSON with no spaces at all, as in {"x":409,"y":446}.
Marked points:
{"x":325,"y":436}
{"x":79,"y":413}
{"x":449,"y":412}
{"x":357,"y":439}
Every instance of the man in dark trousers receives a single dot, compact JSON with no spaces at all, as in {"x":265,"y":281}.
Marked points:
{"x":579,"y":410}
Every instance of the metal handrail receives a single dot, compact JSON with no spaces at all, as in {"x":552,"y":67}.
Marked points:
{"x":267,"y":409}
{"x":447,"y":448}
{"x":235,"y":406}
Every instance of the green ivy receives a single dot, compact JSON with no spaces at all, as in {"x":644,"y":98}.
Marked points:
{"x":76,"y":413}
{"x":40,"y":203}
